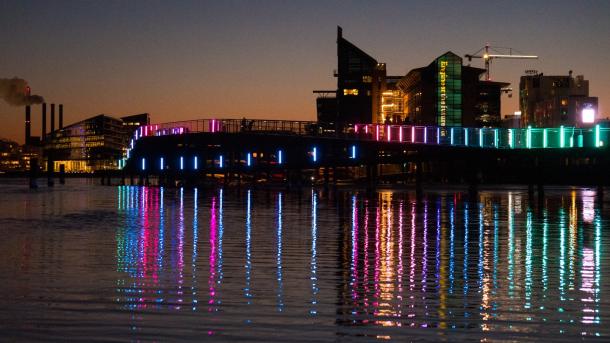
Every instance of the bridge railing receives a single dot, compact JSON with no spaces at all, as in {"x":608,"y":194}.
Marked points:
{"x":498,"y":138}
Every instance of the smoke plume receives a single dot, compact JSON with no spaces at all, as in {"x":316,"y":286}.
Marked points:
{"x":16,"y":92}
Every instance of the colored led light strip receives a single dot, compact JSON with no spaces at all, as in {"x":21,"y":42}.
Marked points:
{"x":161,"y":164}
{"x":143,"y":163}
{"x":353,"y":151}
{"x":181,"y":163}
{"x":249,"y":159}
{"x":221,"y":163}
{"x":280,"y":157}
{"x":466,"y":136}
{"x":597,"y":138}
{"x":195,"y":162}
{"x":412,"y":134}
{"x":562,"y":139}
{"x":315,"y":150}
{"x":400,"y":133}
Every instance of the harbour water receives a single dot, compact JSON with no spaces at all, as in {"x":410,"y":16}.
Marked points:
{"x":86,"y":262}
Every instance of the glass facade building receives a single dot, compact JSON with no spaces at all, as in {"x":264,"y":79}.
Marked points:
{"x":93,"y":144}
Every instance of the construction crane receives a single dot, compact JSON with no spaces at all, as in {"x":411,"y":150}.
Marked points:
{"x":488,"y":57}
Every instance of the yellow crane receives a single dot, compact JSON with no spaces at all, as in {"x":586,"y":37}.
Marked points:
{"x":488,"y":57}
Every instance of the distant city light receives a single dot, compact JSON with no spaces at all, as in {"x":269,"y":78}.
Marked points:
{"x":221,"y":161}
{"x":280,"y":157}
{"x":161,"y":164}
{"x":517,"y":113}
{"x":249,"y":159}
{"x":315,"y":151}
{"x":353,"y":152}
{"x":195,"y":163}
{"x":588,"y":115}
{"x":181,"y":163}
{"x":143,"y":163}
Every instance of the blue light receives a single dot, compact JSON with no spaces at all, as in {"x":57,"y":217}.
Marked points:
{"x":438,"y":135}
{"x":195,"y":163}
{"x":143,"y":163}
{"x":353,"y":152}
{"x":280,"y":157}
{"x":315,"y":154}
{"x":465,"y":136}
{"x":221,"y":161}
{"x":249,"y":159}
{"x":481,"y":137}
{"x":161,"y":164}
{"x":181,"y":163}
{"x":451,"y":136}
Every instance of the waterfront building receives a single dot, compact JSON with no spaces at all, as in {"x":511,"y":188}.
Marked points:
{"x":444,"y":93}
{"x":552,"y":100}
{"x":447,"y":93}
{"x":96,"y":143}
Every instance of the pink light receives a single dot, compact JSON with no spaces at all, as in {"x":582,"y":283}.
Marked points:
{"x":389,"y":133}
{"x":412,"y":134}
{"x":377,"y":132}
{"x":356,"y":128}
{"x":366,"y":129}
{"x":146,"y":130}
{"x":400,"y":133}
{"x":213,"y":124}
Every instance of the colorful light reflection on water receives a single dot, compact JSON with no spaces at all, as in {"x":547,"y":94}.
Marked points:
{"x":253,"y":263}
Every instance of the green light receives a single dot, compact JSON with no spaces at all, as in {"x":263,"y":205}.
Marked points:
{"x":496,"y":138}
{"x":544,"y":140}
{"x":562,"y":139}
{"x":597,"y":145}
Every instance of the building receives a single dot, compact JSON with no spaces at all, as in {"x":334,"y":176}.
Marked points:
{"x":92,"y":144}
{"x":547,"y":101}
{"x":444,"y":93}
{"x":447,"y":93}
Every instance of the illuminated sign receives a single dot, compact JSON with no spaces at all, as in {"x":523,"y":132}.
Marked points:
{"x":442,"y":77}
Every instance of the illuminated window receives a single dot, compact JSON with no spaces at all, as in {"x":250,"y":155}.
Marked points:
{"x":367,"y":79}
{"x":564,"y":102}
{"x":350,"y":92}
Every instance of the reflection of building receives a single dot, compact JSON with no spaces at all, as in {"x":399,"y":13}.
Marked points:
{"x":93,"y":144}
{"x":547,"y":101}
{"x":444,"y":93}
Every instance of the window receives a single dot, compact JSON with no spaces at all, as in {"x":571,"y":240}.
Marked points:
{"x":353,"y":91}
{"x":367,"y":78}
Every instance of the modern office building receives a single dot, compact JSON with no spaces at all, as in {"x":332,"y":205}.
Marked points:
{"x":447,"y":93}
{"x":547,"y":101}
{"x":92,"y":144}
{"x":444,"y":93}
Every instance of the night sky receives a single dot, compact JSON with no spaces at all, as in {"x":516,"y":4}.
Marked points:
{"x":262,"y":59}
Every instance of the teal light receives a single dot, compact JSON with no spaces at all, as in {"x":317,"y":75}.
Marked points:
{"x":496,"y":138}
{"x":465,"y":136}
{"x":481,"y":137}
{"x":597,"y":142}
{"x":544,"y":140}
{"x":510,"y":138}
{"x":562,"y":139}
{"x":529,"y":137}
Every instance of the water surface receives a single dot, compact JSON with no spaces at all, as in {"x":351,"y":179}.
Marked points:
{"x":86,"y":262}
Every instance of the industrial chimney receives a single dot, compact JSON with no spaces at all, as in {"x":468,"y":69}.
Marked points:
{"x":27,"y":124}
{"x":44,"y":121}
{"x":61,"y":117}
{"x":52,"y":118}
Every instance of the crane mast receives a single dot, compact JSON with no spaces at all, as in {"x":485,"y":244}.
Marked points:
{"x":488,"y":57}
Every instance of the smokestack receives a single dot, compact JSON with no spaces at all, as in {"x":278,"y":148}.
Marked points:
{"x":61,"y":116}
{"x":52,"y":118}
{"x":27,"y":124}
{"x":44,"y":121}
